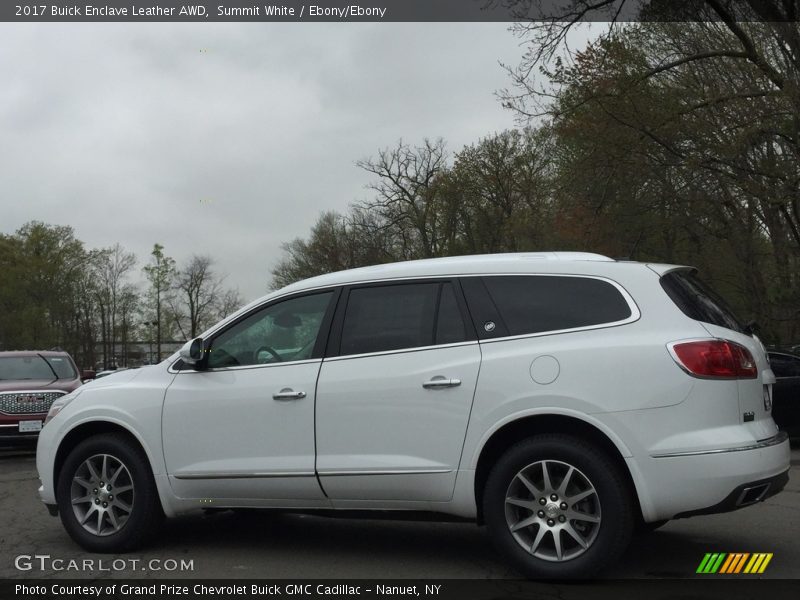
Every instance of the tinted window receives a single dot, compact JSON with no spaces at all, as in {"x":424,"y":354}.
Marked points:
{"x":533,"y":304}
{"x":698,"y":301}
{"x":392,"y":317}
{"x":784,"y":365}
{"x":450,"y":326}
{"x":282,"y":332}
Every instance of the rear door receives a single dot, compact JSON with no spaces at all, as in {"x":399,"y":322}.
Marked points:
{"x":394,"y":399}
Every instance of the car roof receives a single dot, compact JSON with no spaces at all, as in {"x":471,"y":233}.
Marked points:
{"x":584,"y":263}
{"x":23,"y":353}
{"x":451,"y":265}
{"x":519,"y":262}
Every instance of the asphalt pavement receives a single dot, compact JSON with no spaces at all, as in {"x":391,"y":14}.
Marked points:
{"x":270,"y":545}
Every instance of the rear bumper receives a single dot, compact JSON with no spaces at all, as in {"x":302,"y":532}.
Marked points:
{"x":744,"y":495}
{"x":698,"y":483}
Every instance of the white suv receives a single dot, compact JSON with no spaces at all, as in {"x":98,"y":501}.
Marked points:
{"x":562,"y":399}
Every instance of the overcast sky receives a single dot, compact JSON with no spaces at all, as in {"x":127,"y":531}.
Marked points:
{"x":226,"y":139}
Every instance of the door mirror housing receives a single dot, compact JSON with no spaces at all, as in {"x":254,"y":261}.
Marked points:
{"x":192,"y":351}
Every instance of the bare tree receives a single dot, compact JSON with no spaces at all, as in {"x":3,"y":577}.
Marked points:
{"x":197,"y":290}
{"x":227,"y":303}
{"x":112,"y":267}
{"x":407,"y":194}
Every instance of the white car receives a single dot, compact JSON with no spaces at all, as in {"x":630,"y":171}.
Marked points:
{"x":562,"y":399}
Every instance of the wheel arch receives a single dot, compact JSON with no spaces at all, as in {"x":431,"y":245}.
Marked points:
{"x":514,"y":431}
{"x":87,"y":429}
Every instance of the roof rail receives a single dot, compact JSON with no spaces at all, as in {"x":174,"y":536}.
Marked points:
{"x":557,"y":255}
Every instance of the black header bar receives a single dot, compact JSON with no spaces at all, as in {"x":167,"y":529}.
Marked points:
{"x":398,"y":10}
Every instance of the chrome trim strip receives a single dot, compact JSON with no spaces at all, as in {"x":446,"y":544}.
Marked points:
{"x":775,"y":440}
{"x":243,"y":475}
{"x":401,"y":351}
{"x":276,"y":474}
{"x":263,"y":302}
{"x":633,"y":318}
{"x":39,"y":391}
{"x":392,"y":472}
{"x":710,"y":338}
{"x":747,"y":490}
{"x":11,"y":425}
{"x":306,"y":361}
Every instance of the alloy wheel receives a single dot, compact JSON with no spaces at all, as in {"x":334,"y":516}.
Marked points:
{"x":552,"y":510}
{"x":102,"y":494}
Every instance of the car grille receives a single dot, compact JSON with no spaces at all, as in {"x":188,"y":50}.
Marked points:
{"x":24,"y":403}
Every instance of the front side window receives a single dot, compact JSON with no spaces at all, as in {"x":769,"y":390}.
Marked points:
{"x":541,"y":303}
{"x":282,"y":332}
{"x":393,"y":317}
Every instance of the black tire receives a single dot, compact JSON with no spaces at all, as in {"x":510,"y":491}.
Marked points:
{"x":612,"y":502}
{"x":146,"y":512}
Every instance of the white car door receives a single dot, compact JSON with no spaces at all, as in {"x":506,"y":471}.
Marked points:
{"x":394,"y":402}
{"x":242,"y":427}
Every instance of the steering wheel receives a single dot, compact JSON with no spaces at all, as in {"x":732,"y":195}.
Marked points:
{"x":304,"y":349}
{"x":258,"y":361}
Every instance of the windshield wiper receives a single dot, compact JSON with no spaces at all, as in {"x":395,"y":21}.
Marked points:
{"x":48,"y":364}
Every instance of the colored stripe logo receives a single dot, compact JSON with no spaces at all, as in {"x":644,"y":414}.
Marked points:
{"x":734,"y":563}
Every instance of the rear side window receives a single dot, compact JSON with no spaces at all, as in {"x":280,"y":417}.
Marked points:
{"x":698,"y":301}
{"x":535,"y":304}
{"x":393,"y":317}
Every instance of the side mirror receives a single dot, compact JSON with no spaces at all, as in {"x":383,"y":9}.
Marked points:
{"x":88,"y":375}
{"x":192,"y":351}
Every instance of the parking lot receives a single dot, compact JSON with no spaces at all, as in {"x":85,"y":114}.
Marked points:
{"x":256,"y":545}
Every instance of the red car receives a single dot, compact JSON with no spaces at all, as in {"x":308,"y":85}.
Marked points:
{"x":29,"y":383}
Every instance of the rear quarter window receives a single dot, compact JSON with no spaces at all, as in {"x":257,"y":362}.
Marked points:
{"x":541,"y":303}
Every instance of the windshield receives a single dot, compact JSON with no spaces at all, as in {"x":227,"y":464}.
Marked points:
{"x":36,"y":367}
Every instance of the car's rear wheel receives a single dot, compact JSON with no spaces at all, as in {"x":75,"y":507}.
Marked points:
{"x":558,"y":507}
{"x":106,"y":495}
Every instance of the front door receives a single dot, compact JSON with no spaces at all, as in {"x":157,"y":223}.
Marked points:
{"x":242,"y":427}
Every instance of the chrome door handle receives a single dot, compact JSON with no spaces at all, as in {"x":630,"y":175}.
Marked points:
{"x":288,"y":394}
{"x":441,"y":382}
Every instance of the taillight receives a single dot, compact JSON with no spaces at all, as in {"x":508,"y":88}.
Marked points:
{"x":715,"y":358}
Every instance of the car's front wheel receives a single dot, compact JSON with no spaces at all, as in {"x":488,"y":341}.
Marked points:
{"x":106,"y":495}
{"x":558,"y":507}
